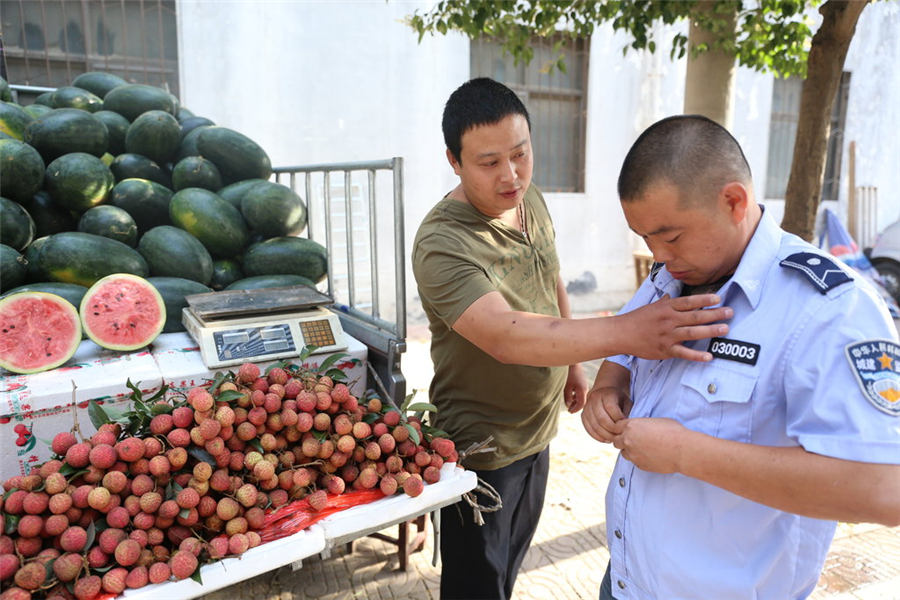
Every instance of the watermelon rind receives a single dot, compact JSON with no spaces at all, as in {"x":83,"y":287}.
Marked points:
{"x":16,"y":225}
{"x":39,"y":332}
{"x":122,"y":312}
{"x":287,"y":256}
{"x":274,"y":210}
{"x":69,"y":96}
{"x":111,"y":222}
{"x":270,"y":281}
{"x":174,"y":291}
{"x":155,"y":134}
{"x":98,"y":82}
{"x":85,"y":258}
{"x":12,"y":268}
{"x":21,"y":170}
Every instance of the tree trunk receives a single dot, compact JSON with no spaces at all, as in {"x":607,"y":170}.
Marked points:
{"x":709,"y":80}
{"x":824,"y":67}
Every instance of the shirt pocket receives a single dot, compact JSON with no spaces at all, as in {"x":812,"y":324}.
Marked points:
{"x":718,"y":400}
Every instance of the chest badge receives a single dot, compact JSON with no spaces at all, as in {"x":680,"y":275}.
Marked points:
{"x":876,"y":364}
{"x":736,"y":350}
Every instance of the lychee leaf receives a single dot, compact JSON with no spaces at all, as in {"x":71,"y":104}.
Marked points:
{"x":229,"y":396}
{"x":196,"y":575}
{"x":162,"y":408}
{"x":170,"y":493}
{"x":371,"y":418}
{"x":218,"y":378}
{"x":413,"y":433}
{"x":9,"y":492}
{"x":91,"y":534}
{"x":257,"y":445}
{"x":160,"y":393}
{"x":336,"y":375}
{"x":48,"y":442}
{"x":103,"y":569}
{"x":184,"y":513}
{"x":136,"y":394}
{"x":201,"y":455}
{"x":10,"y":524}
{"x":70,"y":472}
{"x":326,"y":364}
{"x":407,"y":401}
{"x":422,"y":406}
{"x":49,"y":566}
{"x":97,"y":414}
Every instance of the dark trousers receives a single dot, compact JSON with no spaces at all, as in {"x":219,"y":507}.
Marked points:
{"x":481,"y":562}
{"x":606,"y":586}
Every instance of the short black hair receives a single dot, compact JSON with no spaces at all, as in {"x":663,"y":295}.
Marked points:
{"x":477,"y":102}
{"x":691,"y":152}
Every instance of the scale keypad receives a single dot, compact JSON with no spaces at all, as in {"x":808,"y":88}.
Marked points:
{"x":317,"y":333}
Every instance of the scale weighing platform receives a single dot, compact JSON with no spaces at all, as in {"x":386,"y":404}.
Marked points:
{"x":237,"y":326}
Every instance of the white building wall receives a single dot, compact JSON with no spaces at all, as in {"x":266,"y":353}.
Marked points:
{"x":316,"y":82}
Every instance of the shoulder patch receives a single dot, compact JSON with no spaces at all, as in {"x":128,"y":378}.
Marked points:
{"x":655,"y":269}
{"x":876,"y":365}
{"x":823,"y":272}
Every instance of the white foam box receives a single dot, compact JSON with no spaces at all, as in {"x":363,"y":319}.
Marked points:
{"x":35,"y":407}
{"x":223,"y":573}
{"x":182,"y":366}
{"x":359,"y":521}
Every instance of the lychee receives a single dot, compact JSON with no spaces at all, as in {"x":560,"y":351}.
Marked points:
{"x":138,"y":577}
{"x":187,"y":498}
{"x":9,"y":564}
{"x":55,"y":525}
{"x":183,"y":564}
{"x":60,"y":503}
{"x":110,"y":538}
{"x":182,"y":417}
{"x":127,"y":552}
{"x":227,"y":509}
{"x":161,"y":424}
{"x":318,"y":500}
{"x":78,"y":455}
{"x":413,"y":486}
{"x":159,"y":572}
{"x":247,"y":373}
{"x":30,"y":526}
{"x":62,"y":442}
{"x":31,"y":576}
{"x":218,"y":547}
{"x":130,"y":449}
{"x":68,"y":566}
{"x":87,"y":588}
{"x":73,"y":539}
{"x":114,"y":580}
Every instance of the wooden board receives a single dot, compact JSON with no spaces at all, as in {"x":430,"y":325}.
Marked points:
{"x":235,"y":303}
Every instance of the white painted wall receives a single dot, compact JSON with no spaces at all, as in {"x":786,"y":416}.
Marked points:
{"x":316,"y":82}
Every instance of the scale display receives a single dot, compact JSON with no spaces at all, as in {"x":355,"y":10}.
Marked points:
{"x":254,"y":342}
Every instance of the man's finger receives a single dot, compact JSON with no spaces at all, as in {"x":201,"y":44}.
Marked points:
{"x":700,"y":332}
{"x":689,"y":303}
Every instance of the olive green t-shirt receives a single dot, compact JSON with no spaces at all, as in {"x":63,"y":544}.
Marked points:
{"x":458,"y":256}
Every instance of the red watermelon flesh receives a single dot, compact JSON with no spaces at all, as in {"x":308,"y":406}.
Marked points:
{"x":122,"y":312}
{"x":38,"y":332}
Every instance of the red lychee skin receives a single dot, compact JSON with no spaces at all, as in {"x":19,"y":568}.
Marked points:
{"x":127,"y":552}
{"x":78,"y":455}
{"x":161,"y":424}
{"x":152,"y":447}
{"x":431,"y":474}
{"x":187,"y":498}
{"x":97,"y":558}
{"x":260,"y":384}
{"x":413,"y":486}
{"x":247,"y":373}
{"x":318,"y":500}
{"x":304,"y":422}
{"x":227,"y":509}
{"x":219,"y":547}
{"x":87,"y":588}
{"x":388,"y":485}
{"x":182,"y":417}
{"x":142,"y":484}
{"x":30,"y":526}
{"x":202,"y":401}
{"x":183,"y":564}
{"x":6,"y":545}
{"x":103,"y":437}
{"x":192,"y":545}
{"x":159,"y":572}
{"x":130,"y":449}
{"x":150,"y":502}
{"x":238,"y":544}
{"x":138,"y":577}
{"x":62,"y":442}
{"x":109,"y":539}
{"x":68,"y":566}
{"x":31,"y":576}
{"x":361,"y":430}
{"x":114,"y":580}
{"x":73,"y":539}
{"x":9,"y":564}
{"x":140,"y":536}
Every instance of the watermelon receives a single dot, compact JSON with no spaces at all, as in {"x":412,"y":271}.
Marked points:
{"x":173,"y":252}
{"x":188,"y":144}
{"x":16,"y":226}
{"x":43,"y":99}
{"x":21,"y":170}
{"x":65,"y":130}
{"x":85,"y":258}
{"x":173,"y":291}
{"x":134,"y":99}
{"x":122,"y":312}
{"x":14,"y":120}
{"x":33,"y":273}
{"x":154,"y":134}
{"x":78,"y":181}
{"x":37,"y":110}
{"x":196,"y":171}
{"x":70,"y":292}
{"x":5,"y":92}
{"x":98,"y":83}
{"x":274,"y":210}
{"x":49,"y":217}
{"x":287,"y":256}
{"x":135,"y":166}
{"x":117,"y":126}
{"x":234,"y":193}
{"x":191,"y":123}
{"x":237,"y":156}
{"x":225,"y":272}
{"x":146,"y":201}
{"x":73,"y":97}
{"x":39,"y":332}
{"x":270,"y":281}
{"x":217,"y":224}
{"x":110,"y":221}
{"x":12,"y":268}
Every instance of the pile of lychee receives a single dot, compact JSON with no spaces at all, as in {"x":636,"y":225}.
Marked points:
{"x":149,"y":500}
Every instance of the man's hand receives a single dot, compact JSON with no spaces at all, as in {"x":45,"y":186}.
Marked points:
{"x":656,"y":331}
{"x":605,"y":407}
{"x":653,"y":444}
{"x":576,"y":388}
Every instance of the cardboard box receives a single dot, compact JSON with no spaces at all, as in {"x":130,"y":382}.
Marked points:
{"x":182,"y":366}
{"x":34,"y":408}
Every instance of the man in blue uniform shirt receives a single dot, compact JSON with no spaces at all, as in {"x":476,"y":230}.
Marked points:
{"x":733,"y":473}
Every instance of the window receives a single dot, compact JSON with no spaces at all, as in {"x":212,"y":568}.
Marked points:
{"x":783,"y":132}
{"x":557,"y":103}
{"x":48,"y":43}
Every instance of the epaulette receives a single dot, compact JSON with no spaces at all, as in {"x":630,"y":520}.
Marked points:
{"x":824,"y":273}
{"x":655,"y":269}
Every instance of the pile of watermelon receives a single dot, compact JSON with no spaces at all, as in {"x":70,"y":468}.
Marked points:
{"x":107,"y":177}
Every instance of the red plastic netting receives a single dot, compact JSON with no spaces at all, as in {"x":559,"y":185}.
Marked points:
{"x":298,"y":515}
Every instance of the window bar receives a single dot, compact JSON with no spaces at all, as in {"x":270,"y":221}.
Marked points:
{"x":65,"y":32}
{"x":400,"y":246}
{"x":327,"y":199}
{"x":124,"y":40}
{"x":373,"y":246}
{"x":348,"y":236}
{"x":309,"y":206}
{"x":46,"y":47}
{"x":164,"y":73}
{"x":143,"y":41}
{"x":24,"y":43}
{"x":103,"y":20}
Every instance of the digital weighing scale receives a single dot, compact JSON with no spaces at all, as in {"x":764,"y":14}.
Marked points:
{"x":237,"y":326}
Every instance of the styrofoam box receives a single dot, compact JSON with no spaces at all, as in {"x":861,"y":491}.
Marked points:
{"x":35,"y":407}
{"x":182,"y":366}
{"x":220,"y":574}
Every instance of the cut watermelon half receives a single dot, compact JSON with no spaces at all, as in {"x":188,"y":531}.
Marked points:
{"x":38,"y":332}
{"x":122,"y":312}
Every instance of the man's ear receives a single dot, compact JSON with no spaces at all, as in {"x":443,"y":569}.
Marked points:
{"x":736,"y":198}
{"x":453,"y":162}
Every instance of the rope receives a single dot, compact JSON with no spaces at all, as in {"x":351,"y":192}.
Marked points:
{"x":482,"y":487}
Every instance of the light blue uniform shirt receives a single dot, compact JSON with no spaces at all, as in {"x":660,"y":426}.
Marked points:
{"x":672,"y":536}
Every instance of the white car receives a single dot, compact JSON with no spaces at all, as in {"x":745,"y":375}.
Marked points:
{"x":885,"y":257}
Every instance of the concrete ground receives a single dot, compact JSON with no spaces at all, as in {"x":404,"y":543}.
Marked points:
{"x":568,"y":555}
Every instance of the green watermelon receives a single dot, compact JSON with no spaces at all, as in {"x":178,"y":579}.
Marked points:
{"x":270,"y":281}
{"x":71,"y":292}
{"x":78,"y":181}
{"x":191,"y":123}
{"x":14,"y":120}
{"x":110,"y":221}
{"x":234,"y":193}
{"x":122,"y":312}
{"x":173,"y":252}
{"x":5,"y":92}
{"x":21,"y":170}
{"x":98,"y":83}
{"x":196,"y":172}
{"x":173,"y":291}
{"x":134,"y":166}
{"x":134,"y":99}
{"x":218,"y":225}
{"x":66,"y":130}
{"x":287,"y":256}
{"x":117,"y":126}
{"x":73,"y":97}
{"x":274,"y":210}
{"x":12,"y":268}
{"x":39,"y":332}
{"x":237,"y":156}
{"x":37,"y":110}
{"x":146,"y":201}
{"x":33,"y":272}
{"x":85,"y":258}
{"x":49,"y":217}
{"x":188,"y":144}
{"x":16,"y":226}
{"x":225,"y":272}
{"x":153,"y":134}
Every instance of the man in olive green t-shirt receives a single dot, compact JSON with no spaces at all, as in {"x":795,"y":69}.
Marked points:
{"x":504,"y":346}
